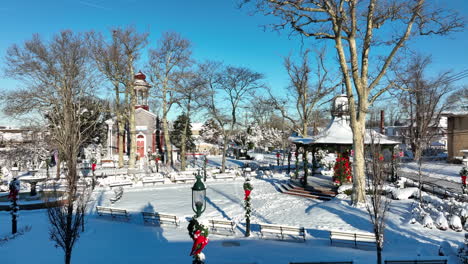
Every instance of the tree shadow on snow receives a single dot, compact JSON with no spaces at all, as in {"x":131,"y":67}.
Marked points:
{"x":156,"y":230}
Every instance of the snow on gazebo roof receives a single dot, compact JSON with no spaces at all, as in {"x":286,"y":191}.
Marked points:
{"x":339,"y":131}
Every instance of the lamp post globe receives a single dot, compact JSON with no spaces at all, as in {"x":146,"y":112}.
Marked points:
{"x":198,"y":196}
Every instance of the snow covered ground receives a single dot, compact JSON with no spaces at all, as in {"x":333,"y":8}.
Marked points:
{"x":435,"y":169}
{"x":112,"y":241}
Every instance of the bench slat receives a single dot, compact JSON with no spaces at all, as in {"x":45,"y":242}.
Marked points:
{"x":158,"y":218}
{"x":282,"y":230}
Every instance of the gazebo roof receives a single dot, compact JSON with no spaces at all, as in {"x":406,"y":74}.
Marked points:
{"x":339,"y":132}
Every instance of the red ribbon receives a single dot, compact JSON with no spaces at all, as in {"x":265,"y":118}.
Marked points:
{"x":13,"y":194}
{"x":93,"y":166}
{"x":247,"y":194}
{"x":199,"y":243}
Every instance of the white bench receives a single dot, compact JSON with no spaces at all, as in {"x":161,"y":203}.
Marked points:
{"x":121,"y":184}
{"x":221,"y":225}
{"x":354,"y":238}
{"x":118,"y":194}
{"x":152,"y":180}
{"x":113,"y":212}
{"x":183,"y":176}
{"x":224,"y":176}
{"x":159,"y":219}
{"x":282,"y":231}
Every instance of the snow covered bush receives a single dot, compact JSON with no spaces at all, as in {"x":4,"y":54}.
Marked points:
{"x":427,"y":222}
{"x":455,"y":223}
{"x":441,"y":222}
{"x":404,"y":194}
{"x":259,"y":157}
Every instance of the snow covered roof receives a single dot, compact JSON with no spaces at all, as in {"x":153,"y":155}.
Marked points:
{"x":339,"y":132}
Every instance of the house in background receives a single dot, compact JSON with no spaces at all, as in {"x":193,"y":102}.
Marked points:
{"x":457,"y":133}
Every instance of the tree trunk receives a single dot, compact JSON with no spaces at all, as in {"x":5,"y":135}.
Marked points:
{"x":132,"y":158}
{"x":58,"y":166}
{"x":358,"y":162}
{"x":167,"y":141}
{"x":121,"y":135}
{"x":379,"y":255}
{"x":68,"y":256}
{"x":183,"y":148}
{"x":223,"y":162}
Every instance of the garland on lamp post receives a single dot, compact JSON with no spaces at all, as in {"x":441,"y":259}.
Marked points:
{"x":13,"y":197}
{"x":199,"y":235}
{"x":247,"y":190}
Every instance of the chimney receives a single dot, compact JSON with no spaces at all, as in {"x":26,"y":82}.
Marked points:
{"x":382,"y":121}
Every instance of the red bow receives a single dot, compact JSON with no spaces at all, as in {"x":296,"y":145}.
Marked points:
{"x":93,"y":166}
{"x":13,"y":194}
{"x":199,"y":243}
{"x":247,"y":194}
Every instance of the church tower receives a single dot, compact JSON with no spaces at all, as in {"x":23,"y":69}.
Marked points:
{"x":141,"y":91}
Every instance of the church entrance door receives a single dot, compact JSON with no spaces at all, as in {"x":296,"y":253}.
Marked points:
{"x":141,"y":146}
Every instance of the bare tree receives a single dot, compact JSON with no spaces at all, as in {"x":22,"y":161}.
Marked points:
{"x":356,"y":29}
{"x":115,"y":60}
{"x":458,"y":101}
{"x":228,"y":89}
{"x":56,"y":74}
{"x":171,"y":57}
{"x":378,"y":204}
{"x":423,"y":100}
{"x":191,"y":88}
{"x":307,"y":91}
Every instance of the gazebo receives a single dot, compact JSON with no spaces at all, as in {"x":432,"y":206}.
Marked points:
{"x":338,"y":135}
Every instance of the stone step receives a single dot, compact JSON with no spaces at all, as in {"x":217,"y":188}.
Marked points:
{"x":285,"y":188}
{"x":314,"y":189}
{"x":324,"y":198}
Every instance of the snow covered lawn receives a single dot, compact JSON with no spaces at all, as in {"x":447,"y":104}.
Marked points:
{"x":111,"y":241}
{"x":435,"y":169}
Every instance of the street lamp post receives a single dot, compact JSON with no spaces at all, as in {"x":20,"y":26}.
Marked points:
{"x":247,"y":190}
{"x":13,"y":196}
{"x":198,"y":196}
{"x":197,"y":231}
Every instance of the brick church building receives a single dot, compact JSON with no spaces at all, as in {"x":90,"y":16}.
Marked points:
{"x":149,"y":133}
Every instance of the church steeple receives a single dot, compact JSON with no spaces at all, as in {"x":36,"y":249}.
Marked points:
{"x":141,"y":91}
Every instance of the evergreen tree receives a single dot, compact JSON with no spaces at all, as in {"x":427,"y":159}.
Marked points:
{"x":178,"y":132}
{"x":211,"y":132}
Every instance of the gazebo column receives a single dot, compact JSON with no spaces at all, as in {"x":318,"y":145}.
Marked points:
{"x":304,"y":160}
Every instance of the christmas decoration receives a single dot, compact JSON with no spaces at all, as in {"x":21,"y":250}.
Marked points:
{"x":463,"y":175}
{"x":342,"y":169}
{"x":199,"y":235}
{"x":13,"y":197}
{"x":247,"y":190}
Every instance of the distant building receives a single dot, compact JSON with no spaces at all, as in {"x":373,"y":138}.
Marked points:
{"x":457,"y":133}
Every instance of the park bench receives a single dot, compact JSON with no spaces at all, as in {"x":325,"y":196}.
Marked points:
{"x":434,"y":261}
{"x":159,"y":219}
{"x":283,"y":231}
{"x":218,"y":226}
{"x":183,"y":176}
{"x":113,"y":212}
{"x":355,"y":238}
{"x":117,"y":195}
{"x":224,"y":176}
{"x":121,"y":184}
{"x":152,"y":180}
{"x":324,"y":262}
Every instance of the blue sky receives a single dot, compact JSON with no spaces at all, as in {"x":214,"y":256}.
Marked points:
{"x":217,"y":29}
